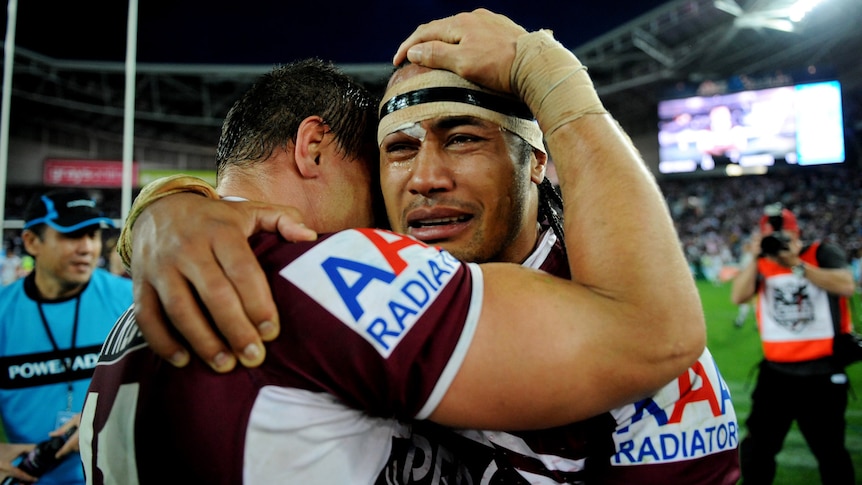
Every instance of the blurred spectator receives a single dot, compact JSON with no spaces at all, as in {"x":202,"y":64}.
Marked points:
{"x":744,"y":308}
{"x":826,"y":201}
{"x":802,"y":291}
{"x":11,"y":262}
{"x":113,"y":261}
{"x":55,"y":319}
{"x":26,"y":266}
{"x":717,"y":213}
{"x":856,"y":266}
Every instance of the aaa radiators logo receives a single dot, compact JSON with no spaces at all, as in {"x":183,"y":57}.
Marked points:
{"x":378,"y":283}
{"x":689,"y":418}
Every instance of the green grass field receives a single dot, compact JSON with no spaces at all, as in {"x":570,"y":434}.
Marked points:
{"x":737,"y":352}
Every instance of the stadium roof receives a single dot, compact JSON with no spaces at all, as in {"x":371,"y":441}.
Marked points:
{"x":195,"y":58}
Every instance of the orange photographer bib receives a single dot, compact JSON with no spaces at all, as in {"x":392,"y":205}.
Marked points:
{"x":793,"y":315}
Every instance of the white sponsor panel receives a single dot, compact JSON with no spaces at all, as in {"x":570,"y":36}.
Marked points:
{"x":375,"y":282}
{"x":691,"y":417}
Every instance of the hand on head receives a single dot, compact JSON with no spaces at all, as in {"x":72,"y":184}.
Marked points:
{"x":217,"y":261}
{"x":175,"y":269}
{"x":460,"y":44}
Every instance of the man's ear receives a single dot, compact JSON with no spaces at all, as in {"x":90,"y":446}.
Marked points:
{"x":309,"y":141}
{"x":31,"y":242}
{"x":539,"y":165}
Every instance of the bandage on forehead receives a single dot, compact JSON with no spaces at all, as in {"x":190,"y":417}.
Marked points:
{"x":442,"y":93}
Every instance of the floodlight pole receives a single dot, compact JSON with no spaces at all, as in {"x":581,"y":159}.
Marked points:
{"x":129,"y":111}
{"x":8,"y":63}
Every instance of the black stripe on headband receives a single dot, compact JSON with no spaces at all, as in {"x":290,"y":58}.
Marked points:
{"x":481,"y":99}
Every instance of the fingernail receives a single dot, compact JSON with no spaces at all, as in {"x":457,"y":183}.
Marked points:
{"x":180,"y":359}
{"x":221,"y":361}
{"x":252,"y":352}
{"x":414,"y":54}
{"x":267,"y":330}
{"x":309,"y":231}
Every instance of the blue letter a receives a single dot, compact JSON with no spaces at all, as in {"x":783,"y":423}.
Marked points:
{"x":350,"y":294}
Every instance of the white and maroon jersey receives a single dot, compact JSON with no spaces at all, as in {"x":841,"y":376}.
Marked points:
{"x":374,"y":328}
{"x":358,"y":315}
{"x":686,"y":433}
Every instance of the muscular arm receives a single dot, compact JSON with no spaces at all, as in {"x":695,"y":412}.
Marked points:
{"x":626,"y":325}
{"x":636,"y":322}
{"x":185,"y":247}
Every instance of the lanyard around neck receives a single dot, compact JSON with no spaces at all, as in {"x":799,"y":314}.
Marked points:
{"x":69,"y":395}
{"x":74,"y":326}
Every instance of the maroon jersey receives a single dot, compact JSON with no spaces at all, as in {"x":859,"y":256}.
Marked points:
{"x":374,"y":328}
{"x":686,"y":433}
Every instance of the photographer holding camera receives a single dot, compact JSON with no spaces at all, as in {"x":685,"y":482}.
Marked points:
{"x":802,"y":305}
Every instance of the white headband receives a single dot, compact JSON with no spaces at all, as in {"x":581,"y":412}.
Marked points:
{"x":443,"y":93}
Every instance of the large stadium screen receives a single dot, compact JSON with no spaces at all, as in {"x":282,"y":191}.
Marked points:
{"x":752,"y":131}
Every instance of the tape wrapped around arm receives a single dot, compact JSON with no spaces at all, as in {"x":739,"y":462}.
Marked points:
{"x":552,"y":81}
{"x":152,"y":192}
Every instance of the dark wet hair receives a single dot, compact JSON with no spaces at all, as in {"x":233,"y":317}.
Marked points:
{"x":268,"y":115}
{"x":551,"y":209}
{"x":550,"y":200}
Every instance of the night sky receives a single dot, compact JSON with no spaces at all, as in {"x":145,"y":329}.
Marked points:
{"x":269,"y":32}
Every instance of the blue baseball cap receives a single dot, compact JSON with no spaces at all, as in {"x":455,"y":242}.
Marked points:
{"x":66,"y":211}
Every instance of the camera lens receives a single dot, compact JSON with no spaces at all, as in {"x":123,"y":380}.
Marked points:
{"x":772,"y":245}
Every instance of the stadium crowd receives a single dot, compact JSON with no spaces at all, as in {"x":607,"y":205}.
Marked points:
{"x":713,"y":216}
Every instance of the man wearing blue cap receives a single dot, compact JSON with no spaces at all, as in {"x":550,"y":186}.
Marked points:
{"x":52,"y":326}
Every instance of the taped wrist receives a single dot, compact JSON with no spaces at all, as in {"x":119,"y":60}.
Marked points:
{"x":552,"y":81}
{"x":152,"y":192}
